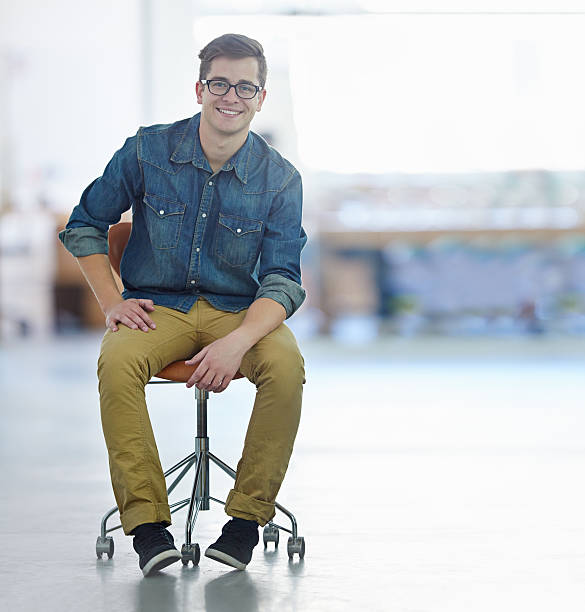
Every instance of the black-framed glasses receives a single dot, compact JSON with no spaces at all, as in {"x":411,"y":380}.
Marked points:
{"x":219,"y":87}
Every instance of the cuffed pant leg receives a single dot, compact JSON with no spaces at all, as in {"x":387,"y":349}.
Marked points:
{"x":276,"y":366}
{"x":128,"y":359}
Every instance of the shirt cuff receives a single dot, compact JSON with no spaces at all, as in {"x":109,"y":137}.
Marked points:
{"x":287,"y":293}
{"x":83,"y":241}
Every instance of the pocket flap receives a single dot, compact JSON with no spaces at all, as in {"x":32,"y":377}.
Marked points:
{"x":162,"y":206}
{"x":239,"y":225}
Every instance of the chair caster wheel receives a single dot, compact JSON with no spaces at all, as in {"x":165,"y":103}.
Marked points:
{"x":104,"y":545}
{"x":190,"y":552}
{"x":296,"y":545}
{"x":270,"y":533}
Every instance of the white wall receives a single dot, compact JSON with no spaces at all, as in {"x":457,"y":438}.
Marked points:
{"x":78,"y":77}
{"x":71,"y":83}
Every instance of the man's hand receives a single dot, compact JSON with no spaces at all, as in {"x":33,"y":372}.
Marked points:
{"x":220,"y":360}
{"x":218,"y":364}
{"x":132,"y":313}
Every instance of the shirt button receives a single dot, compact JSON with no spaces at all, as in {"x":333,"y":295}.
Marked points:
{"x":161,"y":212}
{"x":192,"y":282}
{"x":204,"y":215}
{"x":239,"y":231}
{"x":210,"y":182}
{"x":197,"y":249}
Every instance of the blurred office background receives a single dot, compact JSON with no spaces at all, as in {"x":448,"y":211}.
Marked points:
{"x":442,"y":154}
{"x":440,"y":457}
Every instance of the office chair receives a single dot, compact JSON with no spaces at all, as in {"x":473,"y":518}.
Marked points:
{"x":178,"y":372}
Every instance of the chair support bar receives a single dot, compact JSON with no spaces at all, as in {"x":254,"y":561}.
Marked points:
{"x":194,"y":505}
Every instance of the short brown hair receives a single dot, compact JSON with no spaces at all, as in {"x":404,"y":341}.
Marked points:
{"x":234,"y":46}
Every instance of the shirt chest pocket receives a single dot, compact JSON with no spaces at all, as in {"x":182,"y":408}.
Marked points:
{"x":163,"y":219}
{"x":237,"y":240}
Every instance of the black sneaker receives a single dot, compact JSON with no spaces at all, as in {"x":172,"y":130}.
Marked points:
{"x":235,"y":544}
{"x":155,"y":547}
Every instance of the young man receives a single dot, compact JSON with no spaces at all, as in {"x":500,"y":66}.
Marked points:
{"x":210,"y":272}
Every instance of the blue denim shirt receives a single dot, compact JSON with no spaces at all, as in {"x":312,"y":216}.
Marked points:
{"x":229,"y":237}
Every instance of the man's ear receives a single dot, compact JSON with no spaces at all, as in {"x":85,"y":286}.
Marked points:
{"x":261,"y":96}
{"x":199,"y":91}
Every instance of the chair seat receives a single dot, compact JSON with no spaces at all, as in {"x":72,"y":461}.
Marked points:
{"x":178,"y":371}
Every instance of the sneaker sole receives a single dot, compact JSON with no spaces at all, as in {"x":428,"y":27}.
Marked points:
{"x":224,"y":558}
{"x":161,"y":561}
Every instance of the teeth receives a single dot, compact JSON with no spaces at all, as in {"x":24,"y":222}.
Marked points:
{"x":227,"y":112}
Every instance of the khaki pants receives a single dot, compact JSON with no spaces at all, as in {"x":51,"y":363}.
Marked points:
{"x":129,"y":358}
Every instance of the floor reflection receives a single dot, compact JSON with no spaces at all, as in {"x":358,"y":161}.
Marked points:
{"x":157,"y":593}
{"x":233,"y":591}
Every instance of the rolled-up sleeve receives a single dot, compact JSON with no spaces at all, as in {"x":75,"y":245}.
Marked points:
{"x":287,"y":293}
{"x":103,"y":202}
{"x":284,"y":238}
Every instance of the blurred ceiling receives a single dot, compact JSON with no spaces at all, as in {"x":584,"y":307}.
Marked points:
{"x":280,"y":7}
{"x":334,"y":7}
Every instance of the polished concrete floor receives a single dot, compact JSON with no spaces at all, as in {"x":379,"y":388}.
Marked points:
{"x":429,"y":475}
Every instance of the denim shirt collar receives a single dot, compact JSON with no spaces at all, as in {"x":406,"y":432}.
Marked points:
{"x":189,"y":150}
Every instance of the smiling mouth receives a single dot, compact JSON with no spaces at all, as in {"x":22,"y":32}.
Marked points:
{"x":229,"y":113}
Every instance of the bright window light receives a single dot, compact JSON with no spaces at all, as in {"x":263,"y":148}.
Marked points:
{"x":430,"y":93}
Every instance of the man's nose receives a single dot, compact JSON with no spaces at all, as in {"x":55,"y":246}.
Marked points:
{"x":231,"y":96}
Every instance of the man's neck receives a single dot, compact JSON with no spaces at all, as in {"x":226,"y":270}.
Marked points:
{"x":219,"y":149}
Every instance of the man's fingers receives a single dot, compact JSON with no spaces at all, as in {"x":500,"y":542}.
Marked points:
{"x":197,"y":375}
{"x":141,"y":317}
{"x":211,"y":381}
{"x":134,"y":313}
{"x":196,"y":358}
{"x":133,"y":321}
{"x":147,"y":320}
{"x":146,"y":304}
{"x":131,"y":313}
{"x":206,"y":383}
{"x":138,"y":321}
{"x":127,"y":321}
{"x":224,"y":384}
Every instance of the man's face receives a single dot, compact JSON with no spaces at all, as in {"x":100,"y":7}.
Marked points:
{"x":228,"y":115}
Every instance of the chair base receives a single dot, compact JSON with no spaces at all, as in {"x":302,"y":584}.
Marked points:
{"x":200,"y":459}
{"x":199,"y":500}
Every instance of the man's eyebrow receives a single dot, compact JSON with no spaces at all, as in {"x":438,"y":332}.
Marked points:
{"x":222,"y":78}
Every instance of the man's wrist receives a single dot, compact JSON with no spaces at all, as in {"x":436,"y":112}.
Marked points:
{"x":107,"y":304}
{"x":243,"y":339}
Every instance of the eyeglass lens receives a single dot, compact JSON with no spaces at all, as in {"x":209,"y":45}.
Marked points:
{"x":243,"y":90}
